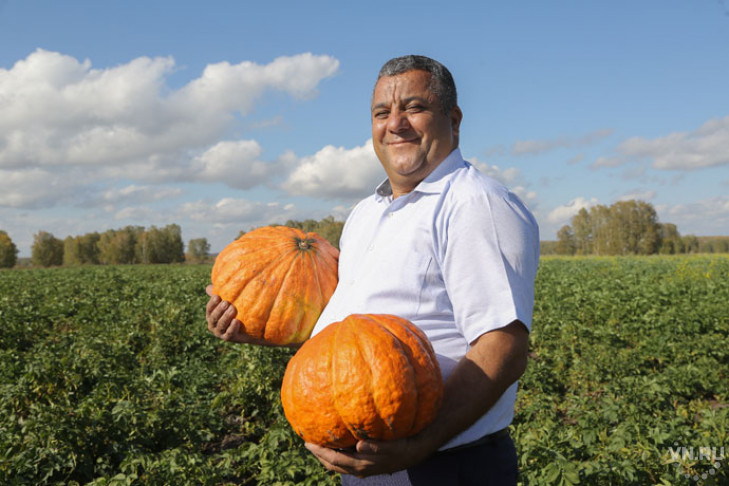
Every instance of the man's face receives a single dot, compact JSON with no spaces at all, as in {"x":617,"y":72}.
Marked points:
{"x":410,"y":133}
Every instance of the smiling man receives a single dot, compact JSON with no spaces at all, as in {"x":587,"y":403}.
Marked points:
{"x":456,"y":253}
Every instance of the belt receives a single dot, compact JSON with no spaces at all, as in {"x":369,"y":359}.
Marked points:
{"x":488,"y":439}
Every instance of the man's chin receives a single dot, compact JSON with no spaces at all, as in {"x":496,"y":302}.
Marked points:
{"x":407,"y":171}
{"x":406,"y":165}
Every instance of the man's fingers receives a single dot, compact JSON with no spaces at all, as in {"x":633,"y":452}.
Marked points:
{"x":209,"y":290}
{"x":342,"y":461}
{"x":211,"y":305}
{"x":233,"y":330}
{"x":220,"y":317}
{"x":218,"y":308}
{"x":328,"y":457}
{"x":369,"y":447}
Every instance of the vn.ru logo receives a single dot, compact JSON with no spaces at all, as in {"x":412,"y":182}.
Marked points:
{"x":696,"y":463}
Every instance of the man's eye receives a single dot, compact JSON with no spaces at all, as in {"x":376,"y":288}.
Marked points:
{"x":381,"y":114}
{"x":415,"y":108}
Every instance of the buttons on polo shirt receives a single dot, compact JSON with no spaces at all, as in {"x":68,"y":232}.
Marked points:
{"x":371,"y":247}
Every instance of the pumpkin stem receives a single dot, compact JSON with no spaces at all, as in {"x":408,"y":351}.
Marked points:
{"x":304,"y":244}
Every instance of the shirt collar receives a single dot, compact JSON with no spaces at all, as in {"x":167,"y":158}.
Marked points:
{"x":433,"y":183}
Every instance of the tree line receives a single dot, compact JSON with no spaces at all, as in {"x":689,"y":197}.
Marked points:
{"x":627,"y":228}
{"x":134,"y":245}
{"x":624,"y":228}
{"x":128,"y":245}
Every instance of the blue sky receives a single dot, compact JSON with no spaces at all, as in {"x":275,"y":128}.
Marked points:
{"x":222,"y":115}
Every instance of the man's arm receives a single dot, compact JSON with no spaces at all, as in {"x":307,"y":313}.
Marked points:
{"x":495,"y":361}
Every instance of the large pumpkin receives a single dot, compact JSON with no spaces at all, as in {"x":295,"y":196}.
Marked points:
{"x":279,"y":279}
{"x":370,"y":376}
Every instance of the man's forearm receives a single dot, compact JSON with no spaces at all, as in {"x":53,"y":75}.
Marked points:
{"x":495,"y":361}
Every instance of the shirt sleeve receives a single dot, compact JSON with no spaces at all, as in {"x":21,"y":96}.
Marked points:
{"x":489,"y":262}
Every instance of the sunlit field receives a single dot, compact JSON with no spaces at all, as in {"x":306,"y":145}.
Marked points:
{"x":109,"y":376}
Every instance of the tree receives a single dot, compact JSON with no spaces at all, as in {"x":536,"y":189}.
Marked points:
{"x":328,"y":228}
{"x":198,"y":250}
{"x":690,"y":244}
{"x":624,"y":228}
{"x":118,"y":246}
{"x":649,"y":234}
{"x":89,"y":244}
{"x":72,"y":250}
{"x":47,"y":250}
{"x":566,"y":244}
{"x":582,"y":230}
{"x":81,"y":250}
{"x":161,"y":245}
{"x":631,"y":228}
{"x":600,"y":230}
{"x":174,"y":246}
{"x":8,"y":251}
{"x":671,"y":241}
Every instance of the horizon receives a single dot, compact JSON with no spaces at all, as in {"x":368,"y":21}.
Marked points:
{"x":223,"y":117}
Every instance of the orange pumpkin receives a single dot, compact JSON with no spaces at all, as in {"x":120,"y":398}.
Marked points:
{"x":370,"y":376}
{"x":279,"y":279}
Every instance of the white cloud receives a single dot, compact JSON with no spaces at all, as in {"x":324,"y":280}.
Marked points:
{"x":236,"y":164}
{"x":139,"y":194}
{"x":34,"y":188}
{"x":56,"y":110}
{"x":58,"y":114}
{"x":340,"y":213}
{"x":576,"y":159}
{"x":236,"y":211}
{"x":563,"y":214}
{"x":638,"y":194}
{"x":336,"y":172}
{"x":510,"y":177}
{"x":612,"y":161}
{"x":707,"y":146}
{"x":534,"y":147}
{"x":223,"y":86}
{"x":714,"y":219}
{"x":135,"y":214}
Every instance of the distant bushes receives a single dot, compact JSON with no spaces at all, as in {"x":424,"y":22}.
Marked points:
{"x":627,"y":228}
{"x":135,"y":244}
{"x":8,"y":251}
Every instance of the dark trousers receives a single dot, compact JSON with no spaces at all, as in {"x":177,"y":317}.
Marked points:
{"x":490,"y":464}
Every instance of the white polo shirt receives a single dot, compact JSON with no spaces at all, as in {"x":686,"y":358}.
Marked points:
{"x":457,"y":256}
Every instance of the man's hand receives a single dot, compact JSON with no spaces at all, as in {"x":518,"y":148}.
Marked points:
{"x":373,"y":457}
{"x":223,"y":324}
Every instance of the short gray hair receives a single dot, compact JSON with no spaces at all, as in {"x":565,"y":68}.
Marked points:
{"x":441,"y":80}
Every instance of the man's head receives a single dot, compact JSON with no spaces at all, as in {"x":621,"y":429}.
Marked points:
{"x":415,"y":119}
{"x":441,"y":80}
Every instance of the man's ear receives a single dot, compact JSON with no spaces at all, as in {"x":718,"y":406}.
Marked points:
{"x":456,"y":115}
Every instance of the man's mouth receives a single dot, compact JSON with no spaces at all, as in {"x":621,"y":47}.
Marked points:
{"x":402,"y":142}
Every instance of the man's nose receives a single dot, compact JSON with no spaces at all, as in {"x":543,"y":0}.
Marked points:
{"x":398,"y":121}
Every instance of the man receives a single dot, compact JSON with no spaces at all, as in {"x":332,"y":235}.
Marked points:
{"x":454,"y":252}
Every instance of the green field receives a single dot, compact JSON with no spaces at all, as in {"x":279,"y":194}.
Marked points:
{"x":109,"y":376}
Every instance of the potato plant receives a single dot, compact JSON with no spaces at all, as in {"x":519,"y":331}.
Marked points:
{"x":108,"y":376}
{"x":629,"y":363}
